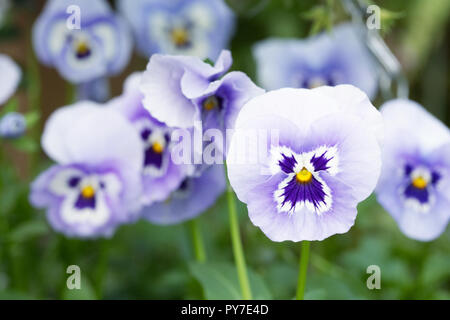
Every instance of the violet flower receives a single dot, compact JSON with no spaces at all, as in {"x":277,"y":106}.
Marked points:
{"x":414,"y":186}
{"x":160,"y":175}
{"x":328,"y":59}
{"x":95,"y":184}
{"x":199,"y":28}
{"x":327,"y":159}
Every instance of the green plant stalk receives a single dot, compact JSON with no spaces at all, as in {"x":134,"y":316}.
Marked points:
{"x":197,"y":240}
{"x":237,"y":246}
{"x":302,"y":270}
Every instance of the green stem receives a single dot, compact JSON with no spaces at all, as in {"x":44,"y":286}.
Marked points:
{"x":303,"y":269}
{"x":237,"y":246}
{"x":197,"y":240}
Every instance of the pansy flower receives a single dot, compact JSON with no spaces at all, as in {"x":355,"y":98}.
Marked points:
{"x":320,"y":157}
{"x":10,"y":76}
{"x":193,"y":197}
{"x":199,"y":28}
{"x":328,"y":59}
{"x":99,"y":48}
{"x":95,"y":184}
{"x":12,"y":125}
{"x":181,"y":91}
{"x":414,"y":186}
{"x":160,"y":175}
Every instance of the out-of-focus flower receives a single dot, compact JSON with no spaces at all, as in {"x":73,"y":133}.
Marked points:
{"x":414,"y":186}
{"x":10,"y":75}
{"x":160,"y":175}
{"x":329,"y":59}
{"x":181,"y":90}
{"x":327,"y":159}
{"x":199,"y":28}
{"x":12,"y":125}
{"x":99,"y":48}
{"x":96,"y":183}
{"x":194,"y":196}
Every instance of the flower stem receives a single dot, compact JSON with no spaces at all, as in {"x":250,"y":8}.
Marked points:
{"x":197,"y":240}
{"x":237,"y":246}
{"x":302,"y":271}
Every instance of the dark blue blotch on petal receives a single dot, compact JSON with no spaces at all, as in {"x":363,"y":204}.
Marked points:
{"x":152,"y":158}
{"x":435,"y":177}
{"x":320,"y":162}
{"x":83,"y":203}
{"x":73,"y":182}
{"x":287,"y":164}
{"x":296,"y":192}
{"x":422,"y":195}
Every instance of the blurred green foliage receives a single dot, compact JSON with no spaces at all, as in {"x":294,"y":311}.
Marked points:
{"x":143,"y":261}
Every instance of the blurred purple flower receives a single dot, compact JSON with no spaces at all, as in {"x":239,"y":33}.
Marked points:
{"x":180,"y":90}
{"x":329,"y":59}
{"x":101,"y":47}
{"x":414,"y":186}
{"x":193,"y":197}
{"x":10,"y":76}
{"x":160,"y":175}
{"x":12,"y":125}
{"x":95,"y":185}
{"x":326,"y":161}
{"x":199,"y":28}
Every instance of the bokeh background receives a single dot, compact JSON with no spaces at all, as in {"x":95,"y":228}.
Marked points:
{"x":143,"y":261}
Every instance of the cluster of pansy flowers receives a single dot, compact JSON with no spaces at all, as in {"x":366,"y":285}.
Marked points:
{"x":114,"y":164}
{"x":86,"y":41}
{"x":122,"y":169}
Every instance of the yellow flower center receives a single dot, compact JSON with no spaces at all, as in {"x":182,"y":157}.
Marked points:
{"x":82,"y":48}
{"x":419,"y":183}
{"x":158,"y":147}
{"x":304,"y":176}
{"x":88,"y":192}
{"x":180,"y":36}
{"x":316,"y":82}
{"x":210,"y":103}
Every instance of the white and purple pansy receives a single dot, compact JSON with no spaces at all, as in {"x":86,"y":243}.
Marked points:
{"x":99,"y":48}
{"x":10,"y":76}
{"x":414,"y":186}
{"x":181,"y":91}
{"x":193,"y":197}
{"x":160,"y":175}
{"x":326,"y":158}
{"x":199,"y":28}
{"x":95,"y":184}
{"x":328,"y":59}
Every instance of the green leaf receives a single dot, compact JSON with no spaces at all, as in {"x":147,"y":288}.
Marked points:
{"x":31,"y":119}
{"x":14,"y":295}
{"x":11,"y":106}
{"x":28,"y":230}
{"x":436,"y":270}
{"x":220,"y":282}
{"x":25,"y":144}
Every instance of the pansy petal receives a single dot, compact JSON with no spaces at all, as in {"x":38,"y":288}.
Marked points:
{"x":405,"y":117}
{"x":303,"y":224}
{"x":163,"y":97}
{"x":10,"y":75}
{"x":83,"y":132}
{"x":203,"y":193}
